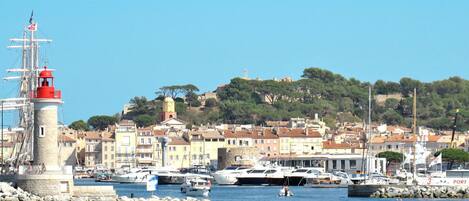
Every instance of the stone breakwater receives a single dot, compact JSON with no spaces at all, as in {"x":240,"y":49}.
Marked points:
{"x":8,"y":193}
{"x":422,"y":192}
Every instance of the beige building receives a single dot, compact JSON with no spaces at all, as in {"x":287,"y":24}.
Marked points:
{"x":146,"y":144}
{"x":108,"y":151}
{"x":92,"y":149}
{"x":299,"y":141}
{"x":126,"y":142}
{"x":67,"y":150}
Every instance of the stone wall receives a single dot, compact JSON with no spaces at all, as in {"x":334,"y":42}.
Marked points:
{"x":237,"y":156}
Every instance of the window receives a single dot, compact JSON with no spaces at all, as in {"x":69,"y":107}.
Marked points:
{"x":105,"y":156}
{"x":112,"y":148}
{"x":185,"y":148}
{"x":112,"y":157}
{"x":353,"y":164}
{"x":240,"y":142}
{"x":171,"y":157}
{"x":194,"y":157}
{"x":255,"y":141}
{"x":342,"y":164}
{"x":334,"y":164}
{"x":149,"y":140}
{"x":229,"y":142}
{"x":312,"y":147}
{"x":389,"y":146}
{"x":42,"y":131}
{"x":185,"y":157}
{"x":268,"y":148}
{"x":105,"y":148}
{"x":177,"y":157}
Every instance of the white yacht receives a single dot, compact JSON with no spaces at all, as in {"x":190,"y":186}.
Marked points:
{"x":298,"y":176}
{"x":329,"y":180}
{"x":264,"y":176}
{"x":197,"y":187}
{"x":228,"y":175}
{"x":134,"y":176}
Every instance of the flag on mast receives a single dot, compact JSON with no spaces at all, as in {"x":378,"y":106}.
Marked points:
{"x":437,"y":160}
{"x":32,"y":26}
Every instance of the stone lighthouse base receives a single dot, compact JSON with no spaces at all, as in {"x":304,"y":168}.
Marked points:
{"x":47,"y":183}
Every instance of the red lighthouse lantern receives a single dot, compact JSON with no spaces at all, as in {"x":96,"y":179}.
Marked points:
{"x":45,"y":87}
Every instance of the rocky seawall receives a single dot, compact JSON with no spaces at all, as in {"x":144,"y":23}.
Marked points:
{"x":422,"y":192}
{"x":8,"y":193}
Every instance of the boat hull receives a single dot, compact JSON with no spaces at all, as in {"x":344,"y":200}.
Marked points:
{"x":261,"y":181}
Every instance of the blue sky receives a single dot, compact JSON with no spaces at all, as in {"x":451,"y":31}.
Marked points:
{"x":109,"y":51}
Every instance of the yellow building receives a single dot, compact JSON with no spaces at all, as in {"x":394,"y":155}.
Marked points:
{"x":299,"y":141}
{"x":177,"y":153}
{"x":204,"y":146}
{"x":126,"y":141}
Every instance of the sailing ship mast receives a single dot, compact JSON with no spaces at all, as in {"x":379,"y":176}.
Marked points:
{"x":414,"y":129}
{"x":28,"y":82}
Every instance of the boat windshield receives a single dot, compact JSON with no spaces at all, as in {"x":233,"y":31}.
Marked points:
{"x":256,"y":171}
{"x":457,"y":173}
{"x":231,"y":168}
{"x":301,"y":170}
{"x":270,"y":171}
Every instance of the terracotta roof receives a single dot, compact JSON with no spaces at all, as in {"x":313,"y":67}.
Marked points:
{"x":92,"y":135}
{"x":298,"y":132}
{"x":158,"y":133}
{"x":401,"y":138}
{"x":265,"y":133}
{"x":177,"y":141}
{"x":106,"y":136}
{"x":65,"y":138}
{"x":332,"y":145}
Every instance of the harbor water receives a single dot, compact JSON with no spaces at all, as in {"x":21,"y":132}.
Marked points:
{"x":238,"y":193}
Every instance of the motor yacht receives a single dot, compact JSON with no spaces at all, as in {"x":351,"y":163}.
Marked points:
{"x":264,"y":176}
{"x":228,"y":175}
{"x":195,"y":186}
{"x":298,"y":176}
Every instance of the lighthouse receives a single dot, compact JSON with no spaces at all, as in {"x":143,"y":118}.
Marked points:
{"x":46,"y":102}
{"x":45,"y":176}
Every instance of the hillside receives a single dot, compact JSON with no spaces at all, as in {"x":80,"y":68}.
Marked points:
{"x":335,"y":98}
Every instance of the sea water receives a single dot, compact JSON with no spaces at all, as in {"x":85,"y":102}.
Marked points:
{"x":238,"y":193}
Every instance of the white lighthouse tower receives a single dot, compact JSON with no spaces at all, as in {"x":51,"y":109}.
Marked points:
{"x":46,"y":101}
{"x":45,"y":176}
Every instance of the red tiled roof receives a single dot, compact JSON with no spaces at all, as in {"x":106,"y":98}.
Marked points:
{"x":177,"y":141}
{"x":65,"y":138}
{"x":332,"y":145}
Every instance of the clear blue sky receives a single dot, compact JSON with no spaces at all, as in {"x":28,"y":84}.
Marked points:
{"x":108,"y":51}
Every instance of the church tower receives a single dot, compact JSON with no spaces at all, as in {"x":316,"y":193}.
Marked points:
{"x":169,"y":109}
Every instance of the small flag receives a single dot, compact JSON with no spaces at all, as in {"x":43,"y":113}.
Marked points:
{"x":152,"y":182}
{"x":436,"y":160}
{"x":32,"y":27}
{"x":31,"y":18}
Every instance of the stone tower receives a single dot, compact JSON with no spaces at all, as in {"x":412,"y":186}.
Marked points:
{"x":169,"y":109}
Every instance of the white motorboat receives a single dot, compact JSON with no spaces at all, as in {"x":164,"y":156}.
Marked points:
{"x":458,"y":177}
{"x":264,"y":176}
{"x":298,"y":176}
{"x":197,"y":187}
{"x":228,"y":175}
{"x":329,"y":180}
{"x":134,"y":176}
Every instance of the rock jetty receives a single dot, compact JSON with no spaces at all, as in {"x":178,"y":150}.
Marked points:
{"x":8,"y":193}
{"x":422,"y":192}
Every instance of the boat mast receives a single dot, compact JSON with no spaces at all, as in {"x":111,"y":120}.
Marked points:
{"x":414,"y":129}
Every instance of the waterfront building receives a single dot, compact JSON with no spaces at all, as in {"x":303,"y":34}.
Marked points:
{"x":126,"y":141}
{"x":108,"y":150}
{"x":67,"y":150}
{"x":238,"y":138}
{"x":146,"y":144}
{"x":330,"y":147}
{"x":299,"y":141}
{"x":93,"y":154}
{"x":266,"y":142}
{"x":204,"y":146}
{"x":178,"y":151}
